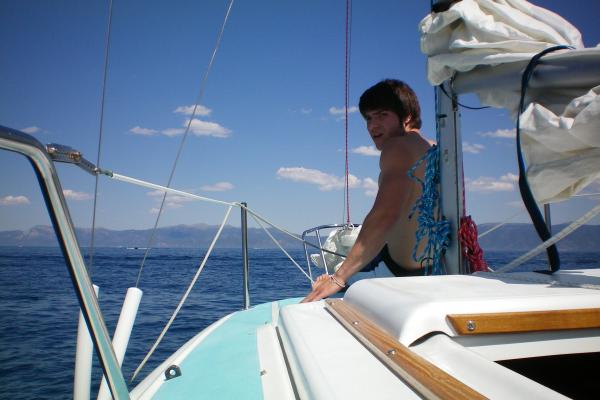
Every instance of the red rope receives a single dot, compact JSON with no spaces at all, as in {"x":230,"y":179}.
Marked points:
{"x":347,"y":100}
{"x":470,"y":246}
{"x":467,"y":233}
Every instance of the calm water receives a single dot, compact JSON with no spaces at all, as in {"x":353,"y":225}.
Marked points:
{"x":39,"y":313}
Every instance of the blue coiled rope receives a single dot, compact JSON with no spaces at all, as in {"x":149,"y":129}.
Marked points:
{"x":430,"y":222}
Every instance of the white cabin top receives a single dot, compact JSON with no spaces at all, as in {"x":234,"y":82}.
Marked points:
{"x":413,"y":307}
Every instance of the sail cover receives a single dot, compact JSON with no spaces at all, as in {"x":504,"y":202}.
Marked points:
{"x":484,"y":45}
{"x":489,"y":32}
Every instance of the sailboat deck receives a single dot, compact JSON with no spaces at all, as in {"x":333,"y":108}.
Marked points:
{"x":411,"y":308}
{"x":329,"y":359}
{"x":222,"y":360}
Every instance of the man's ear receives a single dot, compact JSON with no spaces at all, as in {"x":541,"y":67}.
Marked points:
{"x":407,"y":123}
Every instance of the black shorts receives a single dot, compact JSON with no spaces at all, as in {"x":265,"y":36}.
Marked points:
{"x":396,"y":269}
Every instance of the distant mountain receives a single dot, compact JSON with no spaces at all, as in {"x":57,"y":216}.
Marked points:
{"x":522,"y":237}
{"x":510,"y":237}
{"x":190,"y":236}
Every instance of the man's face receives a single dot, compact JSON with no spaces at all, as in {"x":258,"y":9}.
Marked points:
{"x":382,"y":125}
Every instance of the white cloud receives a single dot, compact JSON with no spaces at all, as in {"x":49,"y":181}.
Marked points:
{"x":13,"y":200}
{"x":371,"y":187}
{"x":173,"y":200}
{"x":366,"y":151}
{"x":31,"y":129}
{"x":77,"y":196}
{"x":217,"y":187}
{"x":510,"y":177}
{"x":505,"y":183}
{"x":138,"y":130}
{"x":500,"y":133}
{"x":353,"y":181}
{"x":205,"y":128}
{"x":200,"y":128}
{"x":325,"y":181}
{"x":473,"y":148}
{"x":172,"y":131}
{"x":189,"y":110}
{"x":303,"y":110}
{"x":342,"y":110}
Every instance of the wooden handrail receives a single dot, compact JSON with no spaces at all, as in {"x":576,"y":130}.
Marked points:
{"x":425,"y":378}
{"x":529,"y":321}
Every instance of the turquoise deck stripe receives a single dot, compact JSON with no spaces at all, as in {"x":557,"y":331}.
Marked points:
{"x":225,"y":365}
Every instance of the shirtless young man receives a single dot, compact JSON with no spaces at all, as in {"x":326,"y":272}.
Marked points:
{"x":392,"y":113}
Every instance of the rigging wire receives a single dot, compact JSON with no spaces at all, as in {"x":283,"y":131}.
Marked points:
{"x":552,"y":240}
{"x":138,"y":182}
{"x":281,"y":248}
{"x":185,"y":135}
{"x":348,"y":31}
{"x":100,"y":135}
{"x":185,"y":295}
{"x":501,"y":224}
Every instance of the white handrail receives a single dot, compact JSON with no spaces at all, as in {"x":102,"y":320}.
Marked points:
{"x":83,"y":359}
{"x":122,"y":334}
{"x":149,"y":185}
{"x":142,"y":183}
{"x":257,"y":217}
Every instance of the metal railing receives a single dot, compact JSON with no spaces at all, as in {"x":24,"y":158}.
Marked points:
{"x":42,"y":159}
{"x":45,"y":171}
{"x":319,"y":246}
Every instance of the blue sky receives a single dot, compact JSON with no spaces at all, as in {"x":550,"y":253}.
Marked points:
{"x":269,"y":131}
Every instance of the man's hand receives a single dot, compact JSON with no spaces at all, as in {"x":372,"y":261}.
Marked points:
{"x":324,"y":286}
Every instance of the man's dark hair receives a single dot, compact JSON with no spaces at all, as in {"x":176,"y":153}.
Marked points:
{"x":392,"y":95}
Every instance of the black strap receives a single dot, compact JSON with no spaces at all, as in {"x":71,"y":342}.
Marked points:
{"x":526,"y":195}
{"x":397,"y":269}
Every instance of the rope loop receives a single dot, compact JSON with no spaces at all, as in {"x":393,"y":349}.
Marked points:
{"x":470,"y":245}
{"x":430,"y":222}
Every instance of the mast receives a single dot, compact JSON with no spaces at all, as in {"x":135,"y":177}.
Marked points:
{"x":451,"y":173}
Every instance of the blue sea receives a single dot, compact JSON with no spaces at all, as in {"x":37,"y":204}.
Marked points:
{"x":39,"y":311}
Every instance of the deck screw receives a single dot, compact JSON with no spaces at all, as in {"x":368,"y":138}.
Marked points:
{"x":354,"y":322}
{"x":391,"y":352}
{"x":471,"y":325}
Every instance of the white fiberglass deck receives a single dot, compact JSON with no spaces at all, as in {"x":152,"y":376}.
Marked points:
{"x":287,"y":351}
{"x":328,"y":362}
{"x":410,"y":308}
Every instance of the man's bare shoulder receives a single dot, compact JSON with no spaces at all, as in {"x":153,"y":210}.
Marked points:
{"x":404,"y":149}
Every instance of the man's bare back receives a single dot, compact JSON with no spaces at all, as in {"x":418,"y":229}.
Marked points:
{"x":401,"y":237}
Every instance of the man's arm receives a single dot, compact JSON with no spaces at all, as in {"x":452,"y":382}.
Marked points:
{"x":395,"y":189}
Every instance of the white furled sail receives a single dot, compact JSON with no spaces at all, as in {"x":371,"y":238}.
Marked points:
{"x":489,"y":32}
{"x":485,"y":45}
{"x":562,"y":151}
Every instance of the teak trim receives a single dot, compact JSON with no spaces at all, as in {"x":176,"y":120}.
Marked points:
{"x":530,"y":321}
{"x":422,"y":376}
